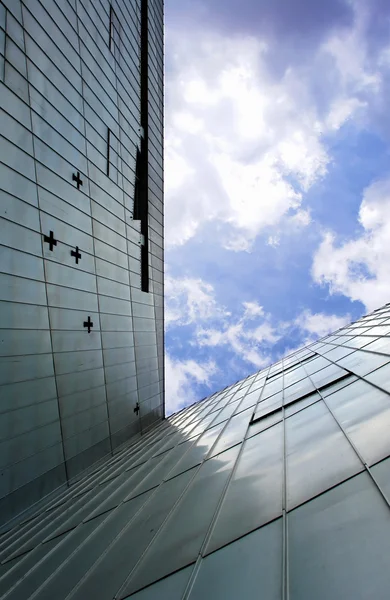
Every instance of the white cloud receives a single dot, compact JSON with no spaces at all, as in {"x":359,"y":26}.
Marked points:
{"x":273,"y":240}
{"x":189,"y":300}
{"x":301,"y":218}
{"x":185,"y":121}
{"x":249,"y":343}
{"x":244,"y":144}
{"x":320,"y":324}
{"x":236,"y":243}
{"x":342,"y":110}
{"x":181,"y":379}
{"x":360,"y":268}
{"x":236,"y":138}
{"x":252,"y":309}
{"x":193,"y":302}
{"x":348,"y":48}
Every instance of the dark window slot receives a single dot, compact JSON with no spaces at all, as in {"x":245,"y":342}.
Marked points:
{"x":108,"y":150}
{"x":142,"y":200}
{"x":267,"y":414}
{"x":274,"y":410}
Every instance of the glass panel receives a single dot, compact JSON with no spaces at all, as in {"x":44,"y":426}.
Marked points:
{"x":271,"y":388}
{"x":359,"y":341}
{"x":181,"y":538}
{"x":293,"y":376}
{"x":257,"y":385}
{"x":339,"y":544}
{"x":254,"y":495}
{"x":29,"y":573}
{"x":225,"y":414}
{"x":317,"y":346}
{"x":118,"y":545}
{"x":315,"y":365}
{"x":344,"y":339}
{"x":170,"y":588}
{"x":300,"y":404}
{"x":330,"y":389}
{"x":381,"y":377}
{"x":264,"y":423}
{"x":301,"y":388}
{"x":200,"y":428}
{"x":362,"y":363}
{"x":380,"y":330}
{"x":381,"y":472}
{"x":249,"y":568}
{"x":336,"y":353}
{"x":155,"y":473}
{"x":327,"y":375}
{"x":267,"y":406}
{"x":318,"y":454}
{"x":239,"y":394}
{"x":381,"y":345}
{"x":198,"y":452}
{"x":364,"y":412}
{"x":249,"y":400}
{"x":234,"y":433}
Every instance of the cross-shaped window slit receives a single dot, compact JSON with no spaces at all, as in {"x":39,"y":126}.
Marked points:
{"x":77,"y":179}
{"x":88,"y":324}
{"x":49,"y":239}
{"x":76,"y":254}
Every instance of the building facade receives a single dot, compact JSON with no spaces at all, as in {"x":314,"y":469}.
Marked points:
{"x":276,"y":487}
{"x":81,"y":237}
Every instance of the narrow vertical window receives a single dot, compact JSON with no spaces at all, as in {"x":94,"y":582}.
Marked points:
{"x":114,"y":33}
{"x":137,"y":199}
{"x":108,"y":150}
{"x":111,"y":40}
{"x":143,"y":200}
{"x":3,"y":44}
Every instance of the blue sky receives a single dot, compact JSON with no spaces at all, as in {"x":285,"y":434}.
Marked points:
{"x":277,"y":180}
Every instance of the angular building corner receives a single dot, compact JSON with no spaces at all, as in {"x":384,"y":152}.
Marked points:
{"x":276,"y":487}
{"x":81,"y":237}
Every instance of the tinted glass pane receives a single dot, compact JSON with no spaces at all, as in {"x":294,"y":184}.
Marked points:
{"x":198,"y":451}
{"x":249,"y":400}
{"x":336,"y":353}
{"x":381,"y":377}
{"x":249,"y":568}
{"x":272,"y":387}
{"x":183,"y":534}
{"x":327,"y":375}
{"x":234,"y":432}
{"x":381,"y":345}
{"x":296,"y":406}
{"x":170,"y":588}
{"x":293,"y":376}
{"x":264,"y":423}
{"x":381,"y":472}
{"x":362,"y":363}
{"x":225,"y":413}
{"x":269,"y":405}
{"x":254,"y":495}
{"x":318,"y":454}
{"x":364,"y":412}
{"x":132,"y":538}
{"x":301,"y":388}
{"x":330,"y":389}
{"x":339,"y":544}
{"x":316,"y":364}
